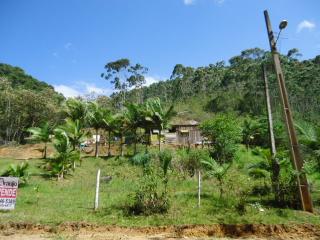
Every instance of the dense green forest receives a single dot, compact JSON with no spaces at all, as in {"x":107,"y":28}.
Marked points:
{"x":24,"y":102}
{"x":238,"y":86}
{"x":197,"y":93}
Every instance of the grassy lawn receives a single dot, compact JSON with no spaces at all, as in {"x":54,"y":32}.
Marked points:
{"x":72,"y":199}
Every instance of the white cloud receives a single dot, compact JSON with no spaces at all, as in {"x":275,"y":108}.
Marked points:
{"x":152,"y":79}
{"x":191,"y":2}
{"x":305,"y":24}
{"x":68,"y":45}
{"x":81,"y":88}
{"x":92,"y":88}
{"x":188,"y":2}
{"x":67,"y":91}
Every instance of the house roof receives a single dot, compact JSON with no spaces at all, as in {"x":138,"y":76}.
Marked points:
{"x":185,"y":123}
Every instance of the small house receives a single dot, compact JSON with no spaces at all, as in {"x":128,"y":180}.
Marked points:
{"x":187,"y":132}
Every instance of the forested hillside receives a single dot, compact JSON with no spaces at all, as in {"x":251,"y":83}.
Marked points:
{"x":24,"y":102}
{"x":197,"y":93}
{"x":238,"y":86}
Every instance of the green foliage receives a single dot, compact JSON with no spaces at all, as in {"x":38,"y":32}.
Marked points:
{"x":224,"y":133}
{"x":19,"y":79}
{"x":151,"y":197}
{"x":42,"y":134}
{"x":218,"y":171}
{"x":18,"y":170}
{"x":191,"y":161}
{"x":61,"y":164}
{"x":76,"y":109}
{"x":165,"y":158}
{"x":141,"y":159}
{"x":123,"y":75}
{"x":24,"y":102}
{"x":239,"y":87}
{"x":309,"y":136}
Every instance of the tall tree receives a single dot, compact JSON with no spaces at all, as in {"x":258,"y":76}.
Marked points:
{"x":159,"y":116}
{"x":123,"y":75}
{"x":95,"y":118}
{"x":134,"y":115}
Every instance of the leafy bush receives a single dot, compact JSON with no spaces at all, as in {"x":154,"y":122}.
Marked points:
{"x":63,"y":161}
{"x":225,"y":133}
{"x":217,"y":171}
{"x":151,"y":197}
{"x":191,"y":161}
{"x":20,"y":171}
{"x":141,"y":159}
{"x":165,"y":158}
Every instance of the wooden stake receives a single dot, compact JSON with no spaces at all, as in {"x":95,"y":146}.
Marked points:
{"x":96,"y":201}
{"x":199,"y":187}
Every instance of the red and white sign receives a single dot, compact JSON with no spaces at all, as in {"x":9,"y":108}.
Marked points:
{"x":8,"y":192}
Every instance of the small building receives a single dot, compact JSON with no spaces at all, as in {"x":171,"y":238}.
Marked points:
{"x":187,"y":132}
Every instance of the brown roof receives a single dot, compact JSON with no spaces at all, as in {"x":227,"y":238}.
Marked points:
{"x":185,"y":123}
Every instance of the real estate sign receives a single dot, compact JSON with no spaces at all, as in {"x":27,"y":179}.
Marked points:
{"x":8,"y":192}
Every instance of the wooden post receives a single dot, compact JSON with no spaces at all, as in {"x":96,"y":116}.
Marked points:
{"x":296,"y":158}
{"x":199,"y":187}
{"x":96,"y":200}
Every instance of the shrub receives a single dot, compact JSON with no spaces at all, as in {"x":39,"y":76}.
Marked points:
{"x":151,"y":197}
{"x":191,"y":161}
{"x":225,"y":133}
{"x":165,"y":158}
{"x":141,"y":159}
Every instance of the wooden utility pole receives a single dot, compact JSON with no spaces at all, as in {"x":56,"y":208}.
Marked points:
{"x":274,"y":160}
{"x":296,"y":158}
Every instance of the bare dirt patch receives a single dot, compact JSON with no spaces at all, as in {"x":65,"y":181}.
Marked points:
{"x":34,"y":151}
{"x":221,"y":231}
{"x":23,"y":152}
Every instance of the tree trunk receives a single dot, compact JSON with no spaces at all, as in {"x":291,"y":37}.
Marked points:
{"x":45,"y":151}
{"x":121,"y":147}
{"x":221,"y":188}
{"x":96,"y":153}
{"x":135,"y":143}
{"x":109,"y":143}
{"x":159,"y":139}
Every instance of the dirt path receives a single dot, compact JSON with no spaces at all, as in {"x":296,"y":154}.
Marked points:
{"x":75,"y":231}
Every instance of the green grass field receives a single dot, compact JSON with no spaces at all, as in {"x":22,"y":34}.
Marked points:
{"x":48,"y":201}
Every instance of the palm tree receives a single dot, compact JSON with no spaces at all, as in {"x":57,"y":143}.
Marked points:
{"x":159,"y":117}
{"x":95,"y":116}
{"x":120,"y":128}
{"x":42,"y":134}
{"x":217,"y":171}
{"x":65,"y":155}
{"x":134,"y":116}
{"x":75,"y":132}
{"x":108,"y":120}
{"x":76,"y":110}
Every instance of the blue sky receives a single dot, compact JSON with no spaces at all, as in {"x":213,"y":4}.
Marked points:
{"x":67,"y":42}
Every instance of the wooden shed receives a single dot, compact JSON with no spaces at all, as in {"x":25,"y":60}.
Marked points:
{"x":187,"y":132}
